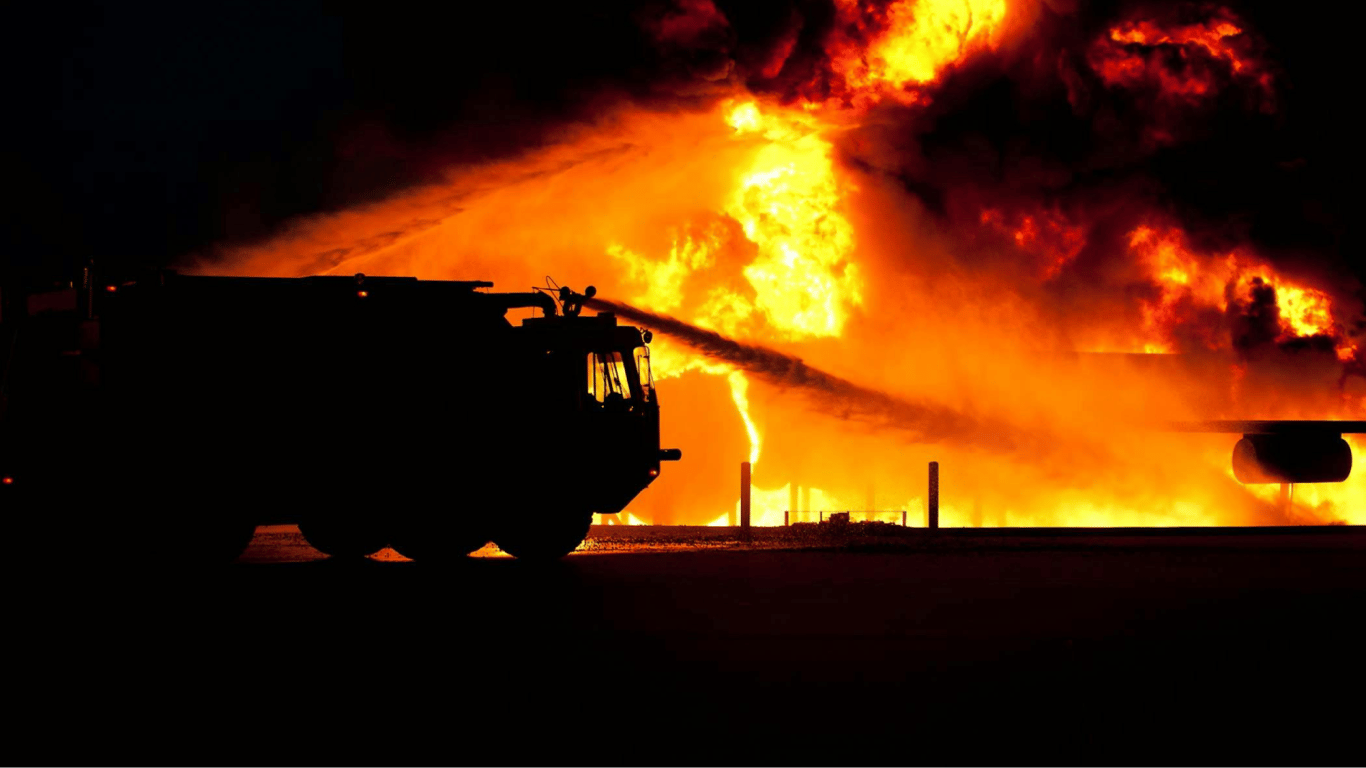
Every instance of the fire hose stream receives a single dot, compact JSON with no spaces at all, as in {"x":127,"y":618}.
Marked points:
{"x":922,"y":422}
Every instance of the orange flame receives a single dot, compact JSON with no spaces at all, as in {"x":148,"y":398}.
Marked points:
{"x":1191,"y":281}
{"x":1046,"y":236}
{"x":911,"y":43}
{"x":740,"y":216}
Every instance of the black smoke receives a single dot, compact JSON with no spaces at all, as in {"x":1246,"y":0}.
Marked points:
{"x":1257,"y":319}
{"x":140,"y":133}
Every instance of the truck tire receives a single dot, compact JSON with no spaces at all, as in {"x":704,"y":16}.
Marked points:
{"x":439,"y":541}
{"x":542,"y":536}
{"x":342,"y":538}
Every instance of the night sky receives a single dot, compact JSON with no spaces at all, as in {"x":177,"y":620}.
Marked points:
{"x":141,"y":134}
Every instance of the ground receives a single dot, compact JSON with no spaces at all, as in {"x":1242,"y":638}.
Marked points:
{"x":1181,"y":648}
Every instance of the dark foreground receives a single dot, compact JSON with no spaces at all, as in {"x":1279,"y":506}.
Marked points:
{"x":1165,"y":649}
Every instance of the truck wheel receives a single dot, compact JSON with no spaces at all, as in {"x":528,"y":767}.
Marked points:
{"x":542,"y":537}
{"x":347,"y":539}
{"x":439,"y":541}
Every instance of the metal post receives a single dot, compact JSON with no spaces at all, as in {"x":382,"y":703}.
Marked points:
{"x":932,"y":513}
{"x":903,"y":518}
{"x":786,"y":514}
{"x":744,"y":497}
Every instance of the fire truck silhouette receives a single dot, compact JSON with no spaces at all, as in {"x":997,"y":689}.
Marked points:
{"x":371,"y":411}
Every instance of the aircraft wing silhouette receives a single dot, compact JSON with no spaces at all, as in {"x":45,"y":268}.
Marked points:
{"x":1285,"y":451}
{"x":1271,"y":427}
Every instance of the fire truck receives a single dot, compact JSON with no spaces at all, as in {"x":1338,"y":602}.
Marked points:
{"x":181,"y":411}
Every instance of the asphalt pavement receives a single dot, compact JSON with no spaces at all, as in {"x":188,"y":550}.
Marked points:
{"x":1185,"y":649}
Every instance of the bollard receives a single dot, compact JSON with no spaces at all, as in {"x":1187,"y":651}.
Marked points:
{"x":932,"y":511}
{"x":744,"y":497}
{"x":786,"y":521}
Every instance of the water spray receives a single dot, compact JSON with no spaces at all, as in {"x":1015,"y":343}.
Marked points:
{"x":922,"y":422}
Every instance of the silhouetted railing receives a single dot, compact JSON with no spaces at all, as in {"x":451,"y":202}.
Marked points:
{"x":853,"y":516}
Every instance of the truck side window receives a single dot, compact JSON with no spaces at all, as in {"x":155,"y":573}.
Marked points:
{"x":647,"y":377}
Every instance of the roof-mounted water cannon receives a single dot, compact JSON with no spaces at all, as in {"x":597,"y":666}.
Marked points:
{"x":572,"y":303}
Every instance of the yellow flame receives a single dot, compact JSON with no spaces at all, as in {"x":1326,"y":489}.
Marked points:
{"x":739,"y":388}
{"x":788,"y":204}
{"x":744,"y":117}
{"x":661,"y":279}
{"x":1305,"y":310}
{"x":922,"y":38}
{"x":724,"y":311}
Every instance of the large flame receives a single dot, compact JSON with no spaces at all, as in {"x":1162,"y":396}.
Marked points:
{"x":888,"y":52}
{"x":1190,"y":282}
{"x":788,"y":204}
{"x":742,"y":214}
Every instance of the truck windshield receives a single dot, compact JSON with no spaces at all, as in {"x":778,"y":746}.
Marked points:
{"x":607,"y":376}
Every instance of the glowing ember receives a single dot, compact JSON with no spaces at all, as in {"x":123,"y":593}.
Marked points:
{"x":1211,"y":36}
{"x":1181,"y":61}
